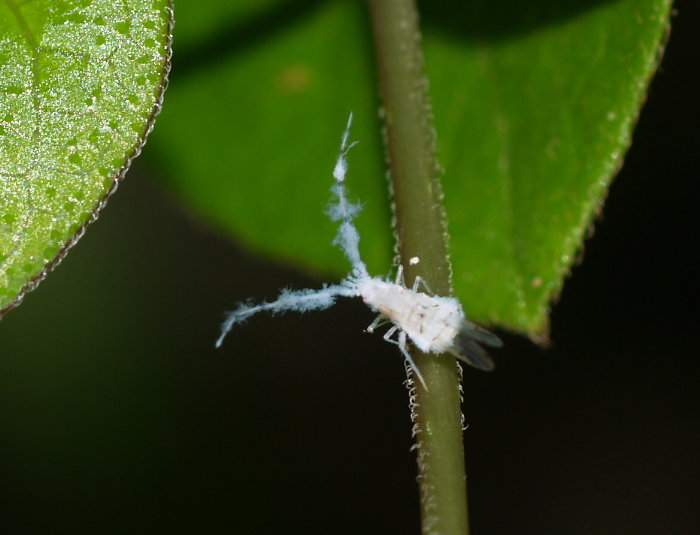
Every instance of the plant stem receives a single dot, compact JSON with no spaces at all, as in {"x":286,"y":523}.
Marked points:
{"x":421,"y":233}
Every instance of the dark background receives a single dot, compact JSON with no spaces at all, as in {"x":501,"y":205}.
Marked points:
{"x":117,"y":415}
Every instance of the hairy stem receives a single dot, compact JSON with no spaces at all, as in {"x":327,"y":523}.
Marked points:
{"x":421,"y":234}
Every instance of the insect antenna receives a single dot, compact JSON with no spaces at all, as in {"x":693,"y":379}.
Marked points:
{"x":288,"y":300}
{"x":341,"y":209}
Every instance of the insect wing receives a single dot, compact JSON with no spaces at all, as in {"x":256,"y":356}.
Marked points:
{"x":478,"y":333}
{"x":468,"y":350}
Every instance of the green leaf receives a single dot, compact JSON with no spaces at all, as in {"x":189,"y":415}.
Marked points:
{"x":534,"y":126}
{"x":534,"y":104}
{"x":80,"y":84}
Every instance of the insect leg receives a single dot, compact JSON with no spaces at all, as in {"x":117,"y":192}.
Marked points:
{"x":399,"y":276}
{"x":417,"y":282}
{"x":420,"y":281}
{"x":380,"y":320}
{"x":390,"y":333}
{"x":401,"y":342}
{"x":407,"y":356}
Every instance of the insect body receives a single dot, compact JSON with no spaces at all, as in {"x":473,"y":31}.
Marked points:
{"x":435,"y":324}
{"x":431,"y":322}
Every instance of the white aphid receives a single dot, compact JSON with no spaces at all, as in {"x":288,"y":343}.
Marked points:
{"x":433,"y":323}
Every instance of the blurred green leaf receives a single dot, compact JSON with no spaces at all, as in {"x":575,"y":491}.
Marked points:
{"x":534,"y":105}
{"x":80,"y":82}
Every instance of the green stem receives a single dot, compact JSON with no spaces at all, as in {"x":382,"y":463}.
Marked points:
{"x":421,"y":233}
